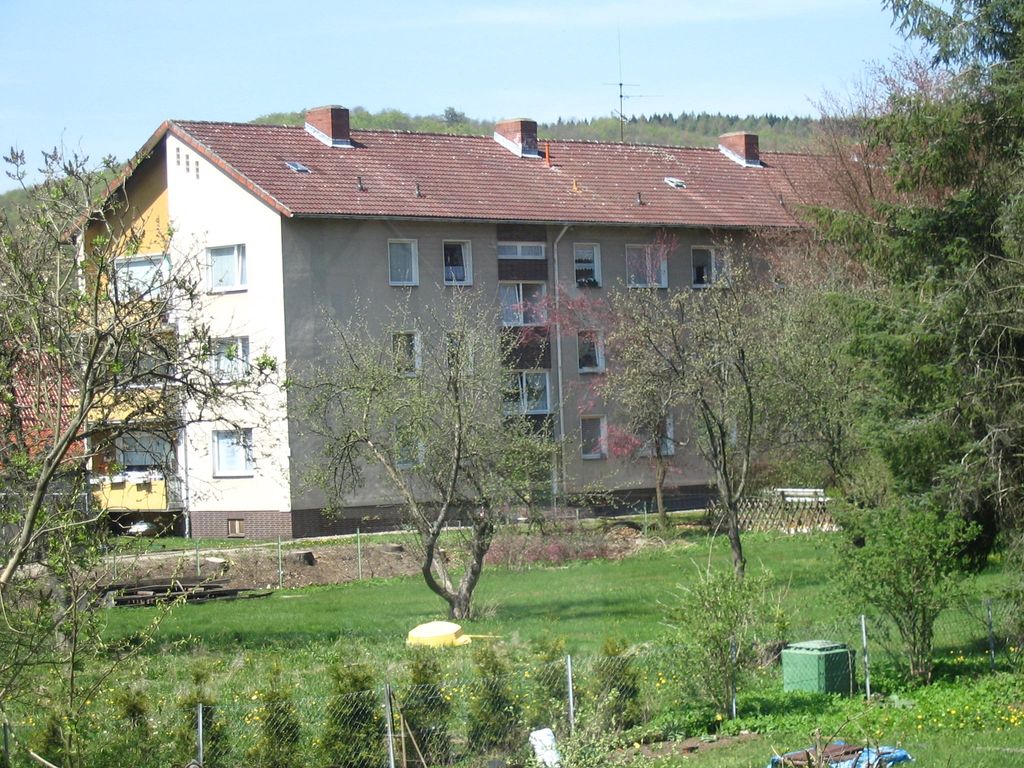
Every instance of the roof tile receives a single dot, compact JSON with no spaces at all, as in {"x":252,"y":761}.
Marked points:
{"x":474,"y":178}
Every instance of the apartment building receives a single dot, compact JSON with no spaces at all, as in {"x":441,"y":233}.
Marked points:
{"x":297,"y":223}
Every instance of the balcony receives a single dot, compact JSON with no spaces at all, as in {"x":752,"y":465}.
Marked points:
{"x":148,"y":491}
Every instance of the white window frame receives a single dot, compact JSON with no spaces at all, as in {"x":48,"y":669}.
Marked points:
{"x":519,"y":307}
{"x":650,"y":251}
{"x":523,"y":406}
{"x":467,"y":262}
{"x":414,"y":255}
{"x":419,"y":451}
{"x":241,"y":268}
{"x":245,"y":443}
{"x":225,"y":369}
{"x":153,"y":288}
{"x":417,"y":352}
{"x":595,"y":264}
{"x":514,"y":249}
{"x":598,"y":351}
{"x":236,"y":527}
{"x":602,"y":438}
{"x":156,"y":465}
{"x":717,"y":255}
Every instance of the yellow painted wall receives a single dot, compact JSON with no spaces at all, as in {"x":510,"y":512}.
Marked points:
{"x":138,"y":497}
{"x":139,"y":209}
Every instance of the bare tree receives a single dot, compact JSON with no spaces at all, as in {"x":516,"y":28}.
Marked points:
{"x":428,"y":408}
{"x":100,"y":338}
{"x":710,"y":356}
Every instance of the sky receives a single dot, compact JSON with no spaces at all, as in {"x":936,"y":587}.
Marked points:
{"x":99,"y":77}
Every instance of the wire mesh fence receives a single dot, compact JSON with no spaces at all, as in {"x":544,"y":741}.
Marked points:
{"x":471,"y":713}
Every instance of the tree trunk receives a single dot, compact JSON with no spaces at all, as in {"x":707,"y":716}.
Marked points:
{"x":659,"y":492}
{"x":739,"y":562}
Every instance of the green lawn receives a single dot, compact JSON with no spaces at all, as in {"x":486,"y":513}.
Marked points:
{"x":233,"y":645}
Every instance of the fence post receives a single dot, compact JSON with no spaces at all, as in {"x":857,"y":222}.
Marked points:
{"x":199,"y":733}
{"x":572,"y":699}
{"x":991,"y":636}
{"x":359,"y":556}
{"x":864,"y":645}
{"x":733,"y":652}
{"x":198,"y":573}
{"x":389,"y":723}
{"x":5,"y":759}
{"x":280,"y":565}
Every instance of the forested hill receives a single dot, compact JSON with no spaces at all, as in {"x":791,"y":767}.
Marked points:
{"x":687,"y":129}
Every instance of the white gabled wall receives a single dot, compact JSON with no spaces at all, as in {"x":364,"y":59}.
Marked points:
{"x":208,"y":209}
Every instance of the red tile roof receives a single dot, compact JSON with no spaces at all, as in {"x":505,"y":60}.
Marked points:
{"x":474,"y":178}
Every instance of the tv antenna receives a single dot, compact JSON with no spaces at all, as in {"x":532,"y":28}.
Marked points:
{"x":622,"y":94}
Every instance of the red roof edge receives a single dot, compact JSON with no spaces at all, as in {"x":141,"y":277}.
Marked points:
{"x":168,"y":126}
{"x":240,"y":178}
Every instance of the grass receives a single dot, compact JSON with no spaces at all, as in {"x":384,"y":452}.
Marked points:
{"x":233,"y":644}
{"x":582,"y":601}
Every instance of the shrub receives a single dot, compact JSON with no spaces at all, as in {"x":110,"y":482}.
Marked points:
{"x":278,"y":742}
{"x":724,"y":624}
{"x":615,"y":694}
{"x":353,"y":734}
{"x":493,"y":713}
{"x":905,"y":563}
{"x":214,"y":742}
{"x":549,"y":688}
{"x":426,"y":708}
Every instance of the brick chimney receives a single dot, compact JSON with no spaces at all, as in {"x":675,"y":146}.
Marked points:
{"x":518,"y":136}
{"x":740,"y":147}
{"x":330,"y":125}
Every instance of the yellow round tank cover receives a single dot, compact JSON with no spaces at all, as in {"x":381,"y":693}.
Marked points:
{"x":437,"y":634}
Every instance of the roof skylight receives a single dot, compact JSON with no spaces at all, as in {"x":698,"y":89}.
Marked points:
{"x":297,"y":166}
{"x":672,"y":181}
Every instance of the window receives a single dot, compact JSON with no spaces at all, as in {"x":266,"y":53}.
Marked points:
{"x":231,"y":358}
{"x":143,"y":452}
{"x":458,"y":263}
{"x":527,"y":392}
{"x":402,"y":263}
{"x":646,"y":267}
{"x":409,"y":449}
{"x":236,"y":527}
{"x":587,"y":257}
{"x":227,"y":268}
{"x":522,"y":303}
{"x":708,"y":265}
{"x":140,"y":276}
{"x":232,"y":453}
{"x":405,"y":346}
{"x":665,"y":432}
{"x":520,"y":250}
{"x":590,"y":351}
{"x":593,"y":437}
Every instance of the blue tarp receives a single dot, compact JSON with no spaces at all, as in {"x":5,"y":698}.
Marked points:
{"x":870,"y":757}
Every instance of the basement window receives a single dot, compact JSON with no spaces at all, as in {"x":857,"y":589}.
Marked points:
{"x":297,"y":166}
{"x":236,"y":528}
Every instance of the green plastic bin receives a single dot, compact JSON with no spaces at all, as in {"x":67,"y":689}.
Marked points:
{"x":819,"y":666}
